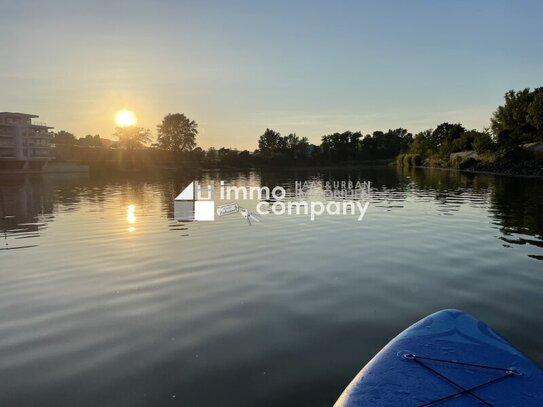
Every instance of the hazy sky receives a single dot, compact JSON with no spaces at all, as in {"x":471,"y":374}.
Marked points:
{"x":238,"y":67}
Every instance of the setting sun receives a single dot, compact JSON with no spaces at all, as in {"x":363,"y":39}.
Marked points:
{"x":125,"y":118}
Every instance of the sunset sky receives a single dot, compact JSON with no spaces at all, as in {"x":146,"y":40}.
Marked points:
{"x":239,"y":67}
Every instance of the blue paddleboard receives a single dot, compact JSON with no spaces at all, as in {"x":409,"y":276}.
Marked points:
{"x":447,"y":359}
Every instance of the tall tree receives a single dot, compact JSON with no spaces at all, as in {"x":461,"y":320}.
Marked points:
{"x":520,"y":119}
{"x":132,"y":137}
{"x":295,"y":147}
{"x":535,"y":112}
{"x":512,"y":115}
{"x":341,"y":146}
{"x":445,"y":134}
{"x":64,"y":137}
{"x":90,"y":141}
{"x":483,"y":142}
{"x":269,"y":143}
{"x":421,"y":143}
{"x":177,"y":132}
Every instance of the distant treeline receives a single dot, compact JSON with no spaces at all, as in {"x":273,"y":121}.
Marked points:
{"x":514,"y":124}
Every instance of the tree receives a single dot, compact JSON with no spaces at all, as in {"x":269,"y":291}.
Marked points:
{"x":177,"y":133}
{"x":512,"y":115}
{"x":443,"y":137}
{"x":295,"y":147}
{"x":341,"y":146}
{"x":507,"y":142}
{"x":535,"y":112}
{"x":197,"y":154}
{"x":269,"y":143}
{"x":64,"y":137}
{"x":392,"y":142}
{"x":466,"y":140}
{"x":385,"y":145}
{"x":132,"y":137}
{"x":245,"y":158}
{"x":482,"y":142}
{"x":211,"y":156}
{"x":404,"y":138}
{"x":90,"y":141}
{"x":421,"y":143}
{"x":520,"y":119}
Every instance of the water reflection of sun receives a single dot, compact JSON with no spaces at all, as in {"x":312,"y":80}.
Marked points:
{"x":131,"y":217}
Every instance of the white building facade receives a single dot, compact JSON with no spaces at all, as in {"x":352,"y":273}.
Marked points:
{"x":23,"y":144}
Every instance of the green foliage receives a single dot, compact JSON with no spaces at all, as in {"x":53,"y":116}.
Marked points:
{"x":507,"y":141}
{"x":352,"y":146}
{"x":520,"y":119}
{"x":512,"y":115}
{"x":444,"y":137}
{"x":421,"y":143}
{"x":487,"y":157}
{"x":436,"y":161}
{"x":408,"y":160}
{"x":132,"y":137}
{"x":270,"y":142}
{"x":341,"y":146}
{"x":278,"y":149}
{"x":294,"y":147}
{"x":197,"y":154}
{"x":467,"y":163}
{"x":483,"y":142}
{"x":90,"y":141}
{"x":449,"y":138}
{"x":462,"y":163}
{"x":415,"y":160}
{"x":226,"y":157}
{"x":535,"y":112}
{"x":382,"y":145}
{"x":177,"y":133}
{"x":64,"y":137}
{"x":464,"y":142}
{"x":455,"y":162}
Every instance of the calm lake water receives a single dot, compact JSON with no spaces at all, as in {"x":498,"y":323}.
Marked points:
{"x":106,"y":300}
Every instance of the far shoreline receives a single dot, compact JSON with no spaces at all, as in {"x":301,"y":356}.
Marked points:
{"x":480,"y":172}
{"x":338,"y":166}
{"x":383,"y":163}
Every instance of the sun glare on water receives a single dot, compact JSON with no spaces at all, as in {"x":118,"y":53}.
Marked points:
{"x":125,"y":118}
{"x":131,"y":217}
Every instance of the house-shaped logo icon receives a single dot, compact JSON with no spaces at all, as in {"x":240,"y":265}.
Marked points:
{"x":189,"y":205}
